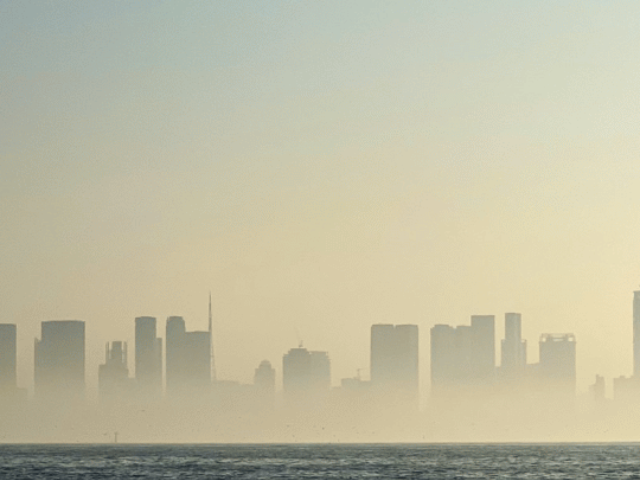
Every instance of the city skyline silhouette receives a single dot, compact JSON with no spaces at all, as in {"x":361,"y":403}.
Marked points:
{"x":468,"y":386}
{"x":320,"y":169}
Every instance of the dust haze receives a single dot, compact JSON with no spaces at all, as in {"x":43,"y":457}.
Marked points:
{"x":349,"y":222}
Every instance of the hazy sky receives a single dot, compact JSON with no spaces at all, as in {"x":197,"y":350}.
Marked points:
{"x":321,"y":166}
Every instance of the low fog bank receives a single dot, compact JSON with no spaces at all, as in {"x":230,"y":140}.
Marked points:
{"x":471,"y":418}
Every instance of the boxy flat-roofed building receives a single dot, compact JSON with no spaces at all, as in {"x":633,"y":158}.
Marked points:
{"x":59,"y":360}
{"x":8,"y":356}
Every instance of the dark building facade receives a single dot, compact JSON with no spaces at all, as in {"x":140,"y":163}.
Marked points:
{"x":306,"y":376}
{"x":264,"y":378}
{"x":558,"y":362}
{"x":636,"y":334}
{"x":148,"y":359}
{"x":463,"y":356}
{"x":395,"y":363}
{"x":514,"y":349}
{"x":113,"y":375}
{"x":484,"y":347}
{"x":8,"y":356}
{"x":188,"y":358}
{"x":59,"y":359}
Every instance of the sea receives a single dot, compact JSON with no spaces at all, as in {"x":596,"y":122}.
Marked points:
{"x":319,"y":461}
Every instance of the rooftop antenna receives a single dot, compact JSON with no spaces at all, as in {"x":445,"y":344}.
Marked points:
{"x":213,"y":361}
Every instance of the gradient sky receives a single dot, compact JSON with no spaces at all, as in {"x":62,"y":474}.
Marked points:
{"x":321,"y":167}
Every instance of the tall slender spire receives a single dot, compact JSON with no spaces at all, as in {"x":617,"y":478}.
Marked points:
{"x":213,"y":361}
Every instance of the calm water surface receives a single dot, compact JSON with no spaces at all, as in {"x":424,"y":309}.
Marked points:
{"x":570,"y":461}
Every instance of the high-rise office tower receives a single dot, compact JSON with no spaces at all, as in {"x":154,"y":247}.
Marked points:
{"x":636,"y":334}
{"x":8,"y":356}
{"x":174,"y":353}
{"x":394,"y":362}
{"x":59,"y":359}
{"x":148,"y":357}
{"x":558,"y":361}
{"x":113,"y":375}
{"x":320,"y":370}
{"x":465,"y":355}
{"x":306,"y":376}
{"x":188,"y":358}
{"x":296,"y":367}
{"x":484,"y":347}
{"x":213,"y":358}
{"x":444,"y":356}
{"x":514,"y":349}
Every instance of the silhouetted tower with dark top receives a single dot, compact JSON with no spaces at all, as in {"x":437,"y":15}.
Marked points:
{"x":148,"y":358}
{"x":113,"y":375}
{"x":514,"y":349}
{"x":636,"y":334}
{"x":394,"y":363}
{"x":8,"y":356}
{"x":59,"y":359}
{"x":188,"y":358}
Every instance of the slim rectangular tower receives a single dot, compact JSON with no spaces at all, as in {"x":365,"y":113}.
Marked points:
{"x":8,"y":356}
{"x":558,"y":362}
{"x":444,"y":361}
{"x":148,"y":357}
{"x":394,"y":362}
{"x":636,"y":334}
{"x":514,"y":349}
{"x":463,"y":356}
{"x":484,"y":347}
{"x":113,"y":374}
{"x":188,"y":358}
{"x":59,"y":360}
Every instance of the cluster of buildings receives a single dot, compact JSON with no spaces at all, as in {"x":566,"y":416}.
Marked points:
{"x":463,"y":360}
{"x":184,"y":366}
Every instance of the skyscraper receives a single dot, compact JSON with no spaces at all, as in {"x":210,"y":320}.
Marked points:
{"x":148,"y":357}
{"x":394,"y":362}
{"x":213,"y":358}
{"x":484,"y":347}
{"x":188,"y":358}
{"x":306,"y":376}
{"x":463,"y":356}
{"x":113,"y":375}
{"x":8,"y":356}
{"x":444,"y":357}
{"x":174,"y":354}
{"x":558,"y":362}
{"x":636,"y":334}
{"x":514,"y":349}
{"x":59,"y":359}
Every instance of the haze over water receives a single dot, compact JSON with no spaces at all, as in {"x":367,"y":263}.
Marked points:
{"x":319,"y":168}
